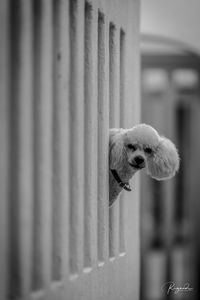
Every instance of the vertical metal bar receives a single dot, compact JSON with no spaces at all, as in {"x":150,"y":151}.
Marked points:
{"x":60,"y":141}
{"x":122,"y":77}
{"x":42,"y":144}
{"x":4,"y":133}
{"x":106,"y":123}
{"x":76,"y":176}
{"x":90,"y":101}
{"x":103,"y":126}
{"x":15,"y":282}
{"x":123,"y":125}
{"x":37,"y":275}
{"x":114,"y":76}
{"x":114,"y":122}
{"x":25,"y":144}
{"x":56,"y":162}
{"x":21,"y":148}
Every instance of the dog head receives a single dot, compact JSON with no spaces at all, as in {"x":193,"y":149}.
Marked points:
{"x":142,"y":147}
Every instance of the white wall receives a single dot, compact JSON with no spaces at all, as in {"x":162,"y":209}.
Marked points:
{"x":176,"y":19}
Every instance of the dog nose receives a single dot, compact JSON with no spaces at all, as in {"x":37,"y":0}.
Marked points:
{"x":139,"y":160}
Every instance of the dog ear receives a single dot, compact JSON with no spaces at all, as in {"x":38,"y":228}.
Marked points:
{"x":116,"y":148}
{"x":165,"y":162}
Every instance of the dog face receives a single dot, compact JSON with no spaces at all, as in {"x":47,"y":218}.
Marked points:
{"x":139,"y":144}
{"x":137,"y":155}
{"x":142,"y":147}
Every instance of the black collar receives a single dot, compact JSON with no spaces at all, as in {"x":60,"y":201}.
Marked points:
{"x":124,"y":185}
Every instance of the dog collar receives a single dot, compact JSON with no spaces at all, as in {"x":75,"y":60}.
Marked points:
{"x":124,"y":185}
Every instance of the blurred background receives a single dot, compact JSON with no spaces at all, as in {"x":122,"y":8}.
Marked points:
{"x":170,"y":84}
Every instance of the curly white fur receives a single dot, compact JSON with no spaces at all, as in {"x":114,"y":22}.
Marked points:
{"x":137,"y":148}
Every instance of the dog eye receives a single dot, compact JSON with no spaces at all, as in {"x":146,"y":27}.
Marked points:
{"x":132,"y":147}
{"x":148,"y":150}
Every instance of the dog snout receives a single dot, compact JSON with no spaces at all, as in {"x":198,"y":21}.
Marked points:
{"x":139,"y":160}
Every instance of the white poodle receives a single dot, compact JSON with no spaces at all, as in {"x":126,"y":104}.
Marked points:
{"x":133,"y":149}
